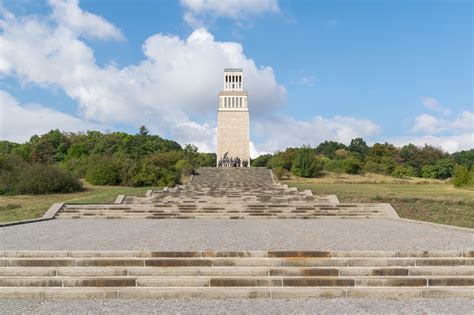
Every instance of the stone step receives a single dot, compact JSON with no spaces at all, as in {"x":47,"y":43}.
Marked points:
{"x":233,"y":281}
{"x":216,"y":274}
{"x":235,"y":292}
{"x":354,"y":272}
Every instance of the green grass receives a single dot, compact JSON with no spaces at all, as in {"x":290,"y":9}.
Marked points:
{"x":23,"y":207}
{"x":437,"y":202}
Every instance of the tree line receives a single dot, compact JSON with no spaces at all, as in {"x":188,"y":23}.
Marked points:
{"x":54,"y":162}
{"x":383,"y":158}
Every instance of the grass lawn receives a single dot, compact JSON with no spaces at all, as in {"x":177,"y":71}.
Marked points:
{"x":419,"y":199}
{"x":13,"y":208}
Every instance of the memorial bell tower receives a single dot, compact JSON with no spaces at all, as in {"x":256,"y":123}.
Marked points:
{"x":233,"y":147}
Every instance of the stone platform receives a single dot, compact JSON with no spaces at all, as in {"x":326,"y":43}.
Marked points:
{"x":228,"y":193}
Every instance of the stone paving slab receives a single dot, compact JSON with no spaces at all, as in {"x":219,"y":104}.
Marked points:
{"x":238,"y":235}
{"x":241,"y":306}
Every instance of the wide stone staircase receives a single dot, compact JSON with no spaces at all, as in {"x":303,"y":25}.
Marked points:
{"x":228,"y":193}
{"x":244,"y":274}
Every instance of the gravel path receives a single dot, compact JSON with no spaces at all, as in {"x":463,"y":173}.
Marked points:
{"x":237,"y":306}
{"x":256,"y":234}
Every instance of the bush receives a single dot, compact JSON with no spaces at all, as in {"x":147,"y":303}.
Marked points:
{"x":374,"y":167}
{"x":462,"y":177}
{"x":348,"y":165}
{"x":352,"y":166}
{"x":103,"y":171}
{"x":444,"y":168}
{"x":280,"y":172}
{"x":428,"y":171}
{"x":46,"y":179}
{"x":146,"y":175}
{"x":185,"y":168}
{"x":401,"y":171}
{"x":262,"y":160}
{"x":306,"y":164}
{"x":334,"y":166}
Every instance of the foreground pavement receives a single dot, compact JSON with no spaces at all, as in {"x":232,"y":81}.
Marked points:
{"x":249,"y":234}
{"x":240,"y":306}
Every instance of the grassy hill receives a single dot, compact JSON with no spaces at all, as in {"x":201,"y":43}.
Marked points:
{"x":414,"y":198}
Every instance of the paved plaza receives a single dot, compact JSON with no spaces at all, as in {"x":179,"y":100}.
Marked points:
{"x":248,"y":234}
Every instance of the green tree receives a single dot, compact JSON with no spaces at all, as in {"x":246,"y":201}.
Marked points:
{"x":262,"y":160}
{"x":359,"y":146}
{"x":329,"y":148}
{"x":461,"y":176}
{"x":444,"y":168}
{"x":306,"y":163}
{"x":143,"y":131}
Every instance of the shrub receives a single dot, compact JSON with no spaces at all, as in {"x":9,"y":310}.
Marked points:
{"x":306,"y":164}
{"x":103,"y":171}
{"x":352,"y":166}
{"x":262,"y":160}
{"x":444,"y":168}
{"x":146,"y":175}
{"x":334,"y":166}
{"x":349,"y":165}
{"x":46,"y":179}
{"x":428,"y":171}
{"x":462,"y":177}
{"x":373,"y":167}
{"x":401,"y":171}
{"x":185,"y":168}
{"x":280,"y":172}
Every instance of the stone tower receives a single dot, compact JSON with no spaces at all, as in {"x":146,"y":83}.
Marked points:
{"x":233,"y":119}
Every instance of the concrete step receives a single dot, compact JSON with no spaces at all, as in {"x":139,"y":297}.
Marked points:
{"x":223,"y":274}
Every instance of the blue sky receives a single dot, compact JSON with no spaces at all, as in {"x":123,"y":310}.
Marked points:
{"x":397,"y":71}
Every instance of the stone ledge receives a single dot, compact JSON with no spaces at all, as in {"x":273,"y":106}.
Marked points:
{"x":49,"y":215}
{"x":119,"y":199}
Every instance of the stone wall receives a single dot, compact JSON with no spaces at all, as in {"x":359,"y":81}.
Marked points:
{"x":233,"y":133}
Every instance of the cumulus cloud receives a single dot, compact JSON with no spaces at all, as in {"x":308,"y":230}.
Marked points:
{"x":434,"y":105}
{"x":177,"y":79}
{"x":429,"y":124}
{"x":457,"y":134}
{"x":197,"y":11}
{"x":451,"y":143}
{"x":465,"y":121}
{"x":280,"y":132}
{"x":18,"y":122}
{"x":69,"y":15}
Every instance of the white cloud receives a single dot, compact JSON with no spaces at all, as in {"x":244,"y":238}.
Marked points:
{"x":68,"y":14}
{"x":434,"y":105}
{"x":305,"y":80}
{"x":465,"y":121}
{"x":177,"y":79}
{"x":19,"y":122}
{"x":452,"y":143}
{"x":458,"y":133}
{"x":197,"y":11}
{"x":281,"y":132}
{"x":429,"y":124}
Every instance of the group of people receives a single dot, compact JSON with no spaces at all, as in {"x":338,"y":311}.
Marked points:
{"x":231,"y":162}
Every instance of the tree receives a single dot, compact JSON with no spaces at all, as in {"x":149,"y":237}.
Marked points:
{"x":143,"y":131}
{"x":462,"y":177}
{"x":306,"y":163}
{"x":262,"y":160}
{"x":359,"y":146}
{"x":444,"y":168}
{"x":329,"y":148}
